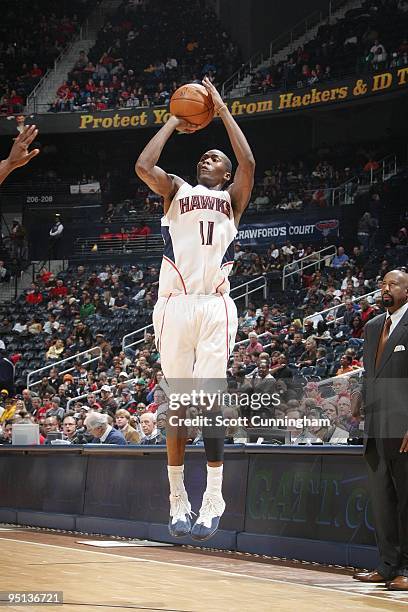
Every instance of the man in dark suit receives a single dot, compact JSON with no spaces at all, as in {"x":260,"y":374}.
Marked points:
{"x":385,"y":400}
{"x":97,"y":425}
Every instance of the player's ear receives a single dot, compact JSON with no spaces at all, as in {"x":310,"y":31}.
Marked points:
{"x":227,"y":177}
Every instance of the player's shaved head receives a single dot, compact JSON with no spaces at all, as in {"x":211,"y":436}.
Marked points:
{"x":394,"y":289}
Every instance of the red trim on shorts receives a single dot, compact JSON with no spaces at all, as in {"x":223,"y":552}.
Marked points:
{"x":220,"y":285}
{"x":178,"y":272}
{"x":162,"y":325}
{"x":227,"y":335}
{"x":227,"y":263}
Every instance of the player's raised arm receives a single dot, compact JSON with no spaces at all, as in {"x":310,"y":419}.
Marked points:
{"x":19,"y":154}
{"x":146,"y":169}
{"x":241,"y":188}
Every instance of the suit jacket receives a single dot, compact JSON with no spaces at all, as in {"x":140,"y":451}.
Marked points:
{"x":114,"y":437}
{"x":131,"y":435}
{"x":385,"y":389}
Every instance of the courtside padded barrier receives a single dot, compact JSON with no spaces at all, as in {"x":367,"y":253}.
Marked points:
{"x":309,"y":503}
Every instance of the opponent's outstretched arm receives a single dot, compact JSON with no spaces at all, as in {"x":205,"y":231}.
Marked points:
{"x":241,"y":188}
{"x":19,"y":155}
{"x":146,"y":167}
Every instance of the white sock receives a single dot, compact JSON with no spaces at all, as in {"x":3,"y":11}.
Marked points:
{"x":176,"y":479}
{"x":214,"y":480}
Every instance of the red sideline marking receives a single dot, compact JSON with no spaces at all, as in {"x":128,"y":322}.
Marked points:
{"x":226,"y":314}
{"x":178,"y":272}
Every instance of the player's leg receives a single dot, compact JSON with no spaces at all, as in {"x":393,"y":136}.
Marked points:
{"x":171,"y":325}
{"x":216,"y":342}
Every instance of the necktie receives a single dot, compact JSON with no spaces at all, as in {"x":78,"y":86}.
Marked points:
{"x":383,"y":339}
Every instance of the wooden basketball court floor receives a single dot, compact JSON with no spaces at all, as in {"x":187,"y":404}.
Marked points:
{"x":174,"y":578}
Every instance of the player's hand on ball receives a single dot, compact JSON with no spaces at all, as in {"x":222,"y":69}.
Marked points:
{"x":184,"y":126}
{"x":214,"y":93}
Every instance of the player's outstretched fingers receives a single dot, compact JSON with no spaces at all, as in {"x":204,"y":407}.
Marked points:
{"x":27,"y":136}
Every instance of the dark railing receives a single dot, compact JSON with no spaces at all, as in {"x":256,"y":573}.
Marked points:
{"x":286,"y":39}
{"x":118,"y":246}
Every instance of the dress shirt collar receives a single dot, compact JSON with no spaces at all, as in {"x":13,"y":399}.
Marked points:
{"x":106,"y":434}
{"x":397,"y":316}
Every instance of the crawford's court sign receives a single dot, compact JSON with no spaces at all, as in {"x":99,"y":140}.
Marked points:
{"x":300,"y":228}
{"x":324,"y":94}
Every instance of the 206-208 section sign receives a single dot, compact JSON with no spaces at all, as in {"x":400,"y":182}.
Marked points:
{"x":393,"y":82}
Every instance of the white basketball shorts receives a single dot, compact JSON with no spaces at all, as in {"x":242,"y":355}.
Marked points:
{"x":195,"y":335}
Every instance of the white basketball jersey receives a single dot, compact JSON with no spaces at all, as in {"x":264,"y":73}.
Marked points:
{"x":198,"y":232}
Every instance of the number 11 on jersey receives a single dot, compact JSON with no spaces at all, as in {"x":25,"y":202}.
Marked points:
{"x":210,"y":232}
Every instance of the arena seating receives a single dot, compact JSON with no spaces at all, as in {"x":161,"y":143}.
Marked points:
{"x":132,"y":64}
{"x":23,"y":62}
{"x":369,"y":38}
{"x":55,"y":320}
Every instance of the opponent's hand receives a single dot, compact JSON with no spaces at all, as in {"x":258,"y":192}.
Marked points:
{"x":404,"y":444}
{"x":182,"y":125}
{"x":214,"y":93}
{"x":19,"y":155}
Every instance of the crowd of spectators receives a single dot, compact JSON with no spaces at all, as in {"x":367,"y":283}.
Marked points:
{"x":283,"y":347}
{"x":301,"y":184}
{"x":23,"y":60}
{"x":134,"y":65}
{"x":369,"y":38}
{"x":309,"y":182}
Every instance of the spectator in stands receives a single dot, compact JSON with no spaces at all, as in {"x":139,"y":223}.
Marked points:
{"x":69,"y":427}
{"x":357,"y":327}
{"x":379,"y":55}
{"x":56,"y":234}
{"x":122,"y":421}
{"x":51,"y":425}
{"x":341,"y":259}
{"x":140,"y":394}
{"x":59,"y":291}
{"x":56,"y":350}
{"x":254,"y":345}
{"x":367,"y":228}
{"x":346,"y":365}
{"x":126,"y":401}
{"x":367,"y":311}
{"x":349,"y":312}
{"x":106,"y":400}
{"x":296,"y":348}
{"x":97,"y":424}
{"x":92,"y":403}
{"x":281,"y":369}
{"x":17,"y":237}
{"x":34,"y":296}
{"x":308,"y":357}
{"x":56,"y":409}
{"x":6,"y":432}
{"x":152,"y":435}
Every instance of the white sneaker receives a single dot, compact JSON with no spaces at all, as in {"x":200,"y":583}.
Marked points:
{"x":180,"y":513}
{"x":211,"y":510}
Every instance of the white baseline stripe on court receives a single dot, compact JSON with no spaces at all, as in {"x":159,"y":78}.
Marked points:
{"x":207,"y":569}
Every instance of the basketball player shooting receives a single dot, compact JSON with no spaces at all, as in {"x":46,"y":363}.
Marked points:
{"x":195,"y":320}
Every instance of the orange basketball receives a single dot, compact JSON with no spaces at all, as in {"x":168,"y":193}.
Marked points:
{"x":192,"y":103}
